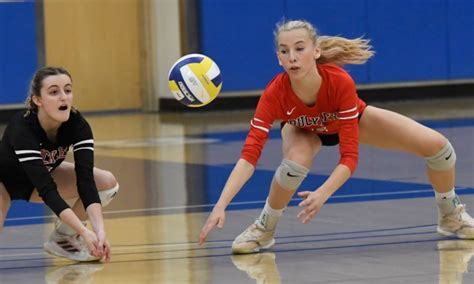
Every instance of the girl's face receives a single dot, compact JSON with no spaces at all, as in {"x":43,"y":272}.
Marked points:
{"x":56,"y":98}
{"x":296,"y":52}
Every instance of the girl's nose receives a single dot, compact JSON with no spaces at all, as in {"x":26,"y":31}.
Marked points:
{"x":292,"y":57}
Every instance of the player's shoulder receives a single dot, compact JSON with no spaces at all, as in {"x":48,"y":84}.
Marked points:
{"x":20,"y":115}
{"x":334,"y":72}
{"x":336,"y":77}
{"x":20,"y":119}
{"x":21,"y":127}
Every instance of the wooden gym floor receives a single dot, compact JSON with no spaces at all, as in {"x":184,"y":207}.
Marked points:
{"x":378,"y":228}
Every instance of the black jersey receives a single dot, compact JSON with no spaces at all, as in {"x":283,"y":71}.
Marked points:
{"x":27,"y":157}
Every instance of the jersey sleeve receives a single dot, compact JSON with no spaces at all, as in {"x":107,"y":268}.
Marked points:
{"x":260,"y":126}
{"x":27,"y":150}
{"x":348,"y":115}
{"x":83,"y":149}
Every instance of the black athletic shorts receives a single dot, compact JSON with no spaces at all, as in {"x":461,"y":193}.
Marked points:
{"x":326,"y":139}
{"x":17,"y":188}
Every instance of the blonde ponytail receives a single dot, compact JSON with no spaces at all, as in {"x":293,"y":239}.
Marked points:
{"x":340,"y":50}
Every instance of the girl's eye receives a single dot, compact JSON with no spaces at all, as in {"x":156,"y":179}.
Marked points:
{"x":53,"y":92}
{"x":300,"y":49}
{"x":68,"y":91}
{"x":283,"y":51}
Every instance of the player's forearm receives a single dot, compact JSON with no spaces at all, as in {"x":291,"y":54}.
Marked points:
{"x":338,"y":177}
{"x":68,"y":217}
{"x":94,"y":211}
{"x":241,"y":173}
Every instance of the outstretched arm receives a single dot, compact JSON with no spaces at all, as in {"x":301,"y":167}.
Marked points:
{"x":348,"y":116}
{"x":94,"y":211}
{"x":96,"y":241}
{"x":68,"y":217}
{"x":241,"y":173}
{"x":86,"y":187}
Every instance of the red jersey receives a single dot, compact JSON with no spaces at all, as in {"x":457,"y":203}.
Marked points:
{"x":336,"y":111}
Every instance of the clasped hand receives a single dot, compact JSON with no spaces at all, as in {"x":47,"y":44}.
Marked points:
{"x":97,"y":243}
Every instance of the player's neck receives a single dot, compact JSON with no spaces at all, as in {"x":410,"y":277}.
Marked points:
{"x":307,"y":87}
{"x":49,"y":126}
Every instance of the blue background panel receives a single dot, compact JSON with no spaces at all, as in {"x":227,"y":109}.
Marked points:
{"x":18,"y":50}
{"x":410,"y":37}
{"x":417,"y":40}
{"x":346,"y":18}
{"x":461,"y":38}
{"x":238,"y":35}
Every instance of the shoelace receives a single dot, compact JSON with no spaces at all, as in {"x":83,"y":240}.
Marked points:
{"x":253,"y":232}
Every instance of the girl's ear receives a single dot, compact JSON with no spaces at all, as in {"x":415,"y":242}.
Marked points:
{"x":317,"y":53}
{"x":36,"y":100}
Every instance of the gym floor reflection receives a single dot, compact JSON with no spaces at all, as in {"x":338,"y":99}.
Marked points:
{"x":379,"y":228}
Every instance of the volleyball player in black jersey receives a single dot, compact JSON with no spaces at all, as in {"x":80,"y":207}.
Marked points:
{"x":32,"y":168}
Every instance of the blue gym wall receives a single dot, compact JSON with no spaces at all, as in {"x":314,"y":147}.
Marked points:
{"x":415,"y":40}
{"x":18,"y":50}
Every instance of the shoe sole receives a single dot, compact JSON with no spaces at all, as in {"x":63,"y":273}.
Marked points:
{"x":254,"y":250}
{"x":450,"y":234}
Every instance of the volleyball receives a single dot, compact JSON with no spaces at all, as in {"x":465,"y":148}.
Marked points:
{"x":195,"y":80}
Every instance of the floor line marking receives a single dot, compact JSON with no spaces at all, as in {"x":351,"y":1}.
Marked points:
{"x":230,"y":205}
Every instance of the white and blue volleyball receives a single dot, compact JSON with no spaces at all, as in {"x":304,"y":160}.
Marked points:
{"x":195,"y":80}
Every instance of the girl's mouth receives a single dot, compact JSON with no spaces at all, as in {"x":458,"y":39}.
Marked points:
{"x":63,"y":107}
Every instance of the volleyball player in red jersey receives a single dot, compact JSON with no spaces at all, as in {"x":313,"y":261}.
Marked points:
{"x":317,"y":102}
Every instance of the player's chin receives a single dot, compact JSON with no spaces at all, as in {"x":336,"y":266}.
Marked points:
{"x":62,"y":116}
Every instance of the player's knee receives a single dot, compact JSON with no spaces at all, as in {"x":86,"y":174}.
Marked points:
{"x":107,"y":195}
{"x":290,"y":174}
{"x":105,"y":179}
{"x":443,"y":160}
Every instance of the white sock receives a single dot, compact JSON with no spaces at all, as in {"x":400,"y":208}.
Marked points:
{"x":447,"y":201}
{"x":445,"y":195}
{"x":269,"y":216}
